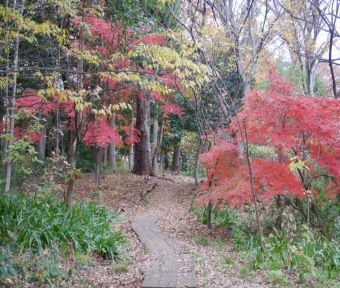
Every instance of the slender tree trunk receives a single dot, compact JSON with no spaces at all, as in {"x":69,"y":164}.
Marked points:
{"x":98,"y":162}
{"x":61,"y":86}
{"x":209,"y":221}
{"x":106,"y":155}
{"x":8,"y":166}
{"x":42,"y":143}
{"x":7,"y":107}
{"x":196,"y":167}
{"x":175,"y":157}
{"x":112,"y":149}
{"x":142,"y":164}
{"x":131,"y":149}
{"x":71,"y":157}
{"x":159,"y":146}
{"x":130,"y":160}
{"x":330,"y":63}
{"x":161,"y":162}
{"x":166,"y":161}
{"x":69,"y":194}
{"x":74,"y":135}
{"x":250,"y":170}
{"x":310,"y":68}
{"x":154,"y":145}
{"x":57,"y":138}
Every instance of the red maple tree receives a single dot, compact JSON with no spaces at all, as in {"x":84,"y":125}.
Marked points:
{"x":301,"y":134}
{"x":99,"y":134}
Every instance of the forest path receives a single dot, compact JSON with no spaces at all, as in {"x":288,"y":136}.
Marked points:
{"x":170,"y":229}
{"x":165,"y":269}
{"x":170,"y":266}
{"x":172,"y":235}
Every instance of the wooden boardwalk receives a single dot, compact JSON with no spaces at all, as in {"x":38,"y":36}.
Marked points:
{"x":164,"y":270}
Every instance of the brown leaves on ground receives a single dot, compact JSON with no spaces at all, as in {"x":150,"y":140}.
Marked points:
{"x":171,"y":197}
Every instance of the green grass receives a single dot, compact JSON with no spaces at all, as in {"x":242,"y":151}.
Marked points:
{"x":38,"y":234}
{"x":83,"y":259}
{"x":202,"y":241}
{"x":120,"y":267}
{"x":228,"y":260}
{"x":246,"y":271}
{"x":43,"y":222}
{"x":276,"y":277}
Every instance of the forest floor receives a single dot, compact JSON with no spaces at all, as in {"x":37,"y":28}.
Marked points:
{"x":171,"y":196}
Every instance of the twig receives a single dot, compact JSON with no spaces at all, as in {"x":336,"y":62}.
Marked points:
{"x":149,"y":190}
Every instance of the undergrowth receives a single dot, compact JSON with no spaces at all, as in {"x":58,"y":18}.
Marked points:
{"x":42,"y":229}
{"x":307,"y":257}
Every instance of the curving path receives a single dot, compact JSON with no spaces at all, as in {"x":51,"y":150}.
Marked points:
{"x":165,"y":267}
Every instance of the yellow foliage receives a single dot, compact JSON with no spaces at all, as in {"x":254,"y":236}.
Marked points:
{"x":26,"y":28}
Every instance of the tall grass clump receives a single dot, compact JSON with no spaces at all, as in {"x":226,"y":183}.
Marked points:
{"x":42,"y":222}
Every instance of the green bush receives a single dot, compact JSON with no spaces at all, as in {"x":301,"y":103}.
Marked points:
{"x":86,"y":160}
{"x":43,"y":222}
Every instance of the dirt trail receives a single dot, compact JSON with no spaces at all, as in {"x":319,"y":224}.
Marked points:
{"x":171,"y":199}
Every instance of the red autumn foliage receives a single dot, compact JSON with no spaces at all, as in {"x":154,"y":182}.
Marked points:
{"x":168,"y":80}
{"x":27,"y":135}
{"x":123,"y":63}
{"x":99,"y":134}
{"x":153,"y":39}
{"x":155,"y":96}
{"x":132,"y":135}
{"x":147,"y":71}
{"x":173,"y":109}
{"x":292,"y":126}
{"x":33,"y":103}
{"x":110,"y":33}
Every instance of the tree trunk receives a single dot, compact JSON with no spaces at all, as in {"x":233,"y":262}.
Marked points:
{"x":71,"y":158}
{"x":166,"y":161}
{"x":154,"y":145}
{"x":209,"y":222}
{"x":98,"y":162}
{"x":6,"y":99}
{"x":8,"y":165}
{"x":130,"y":157}
{"x":131,"y":148}
{"x":112,"y":149}
{"x":142,"y":164}
{"x":58,"y":132}
{"x":74,"y":135}
{"x":196,"y":167}
{"x":330,"y":62}
{"x":69,"y":193}
{"x":175,"y":157}
{"x":161,"y":162}
{"x":42,"y":143}
{"x":250,"y":170}
{"x":106,"y":155}
{"x":310,"y":70}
